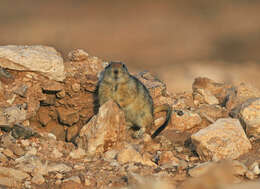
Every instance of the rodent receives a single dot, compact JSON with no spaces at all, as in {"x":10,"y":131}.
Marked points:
{"x":117,"y":84}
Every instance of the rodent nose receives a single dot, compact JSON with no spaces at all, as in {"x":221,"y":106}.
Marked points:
{"x":116,"y":72}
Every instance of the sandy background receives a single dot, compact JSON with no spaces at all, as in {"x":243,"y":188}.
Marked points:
{"x":176,"y":40}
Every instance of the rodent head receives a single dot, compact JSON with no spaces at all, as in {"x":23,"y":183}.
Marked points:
{"x":116,"y":72}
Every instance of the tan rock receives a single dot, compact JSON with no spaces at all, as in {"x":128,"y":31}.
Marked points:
{"x":42,"y":59}
{"x":72,"y":132}
{"x":212,"y":112}
{"x":67,"y":116}
{"x":238,"y":168}
{"x":50,"y":100}
{"x":201,"y":169}
{"x":75,"y":179}
{"x":13,"y":173}
{"x":9,"y":182}
{"x":130,"y":154}
{"x":3,"y":158}
{"x":76,"y":87}
{"x":103,"y":131}
{"x":71,"y":185}
{"x":60,"y":167}
{"x":254,"y":167}
{"x":38,"y":179}
{"x":250,"y":116}
{"x":77,"y":154}
{"x":43,"y":116}
{"x":13,"y":114}
{"x":56,"y":153}
{"x":202,"y":96}
{"x":56,"y":129}
{"x":61,"y":94}
{"x":87,"y":69}
{"x":154,"y":85}
{"x":8,"y":153}
{"x":224,"y":139}
{"x":240,"y":95}
{"x":78,"y":55}
{"x":167,"y":157}
{"x":52,"y":86}
{"x":208,"y":91}
{"x":184,"y":120}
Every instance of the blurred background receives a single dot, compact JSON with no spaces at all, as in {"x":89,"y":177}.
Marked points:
{"x":176,"y":40}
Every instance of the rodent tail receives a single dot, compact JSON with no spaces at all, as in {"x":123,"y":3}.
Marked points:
{"x":168,"y":109}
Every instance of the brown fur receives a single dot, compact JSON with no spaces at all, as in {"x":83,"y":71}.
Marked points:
{"x":132,"y":97}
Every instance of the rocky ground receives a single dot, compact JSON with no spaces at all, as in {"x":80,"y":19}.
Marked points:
{"x":53,"y":135}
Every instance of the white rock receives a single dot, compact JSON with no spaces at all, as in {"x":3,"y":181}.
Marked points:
{"x":224,"y":139}
{"x":42,"y":59}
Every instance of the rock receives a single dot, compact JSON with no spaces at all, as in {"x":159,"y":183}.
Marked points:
{"x":41,"y":59}
{"x":8,"y":153}
{"x":224,"y":139}
{"x":9,"y":182}
{"x":61,"y":94}
{"x":12,"y":115}
{"x":50,"y":100}
{"x":74,"y":179}
{"x":207,"y":91}
{"x":110,"y":154}
{"x":241,"y":94}
{"x":43,"y":115}
{"x":183,"y":120}
{"x":202,"y":96}
{"x":77,"y":154}
{"x":130,"y":154}
{"x":154,"y":85}
{"x":13,"y":173}
{"x":67,"y":116}
{"x":71,"y":185}
{"x":21,"y":132}
{"x":167,"y":157}
{"x":201,"y":169}
{"x":56,"y":129}
{"x":255,"y":168}
{"x":3,"y":158}
{"x":238,"y":168}
{"x":72,"y":132}
{"x":56,"y":153}
{"x":31,"y":164}
{"x":51,"y":86}
{"x":76,"y":87}
{"x":250,"y":175}
{"x":38,"y":179}
{"x":62,"y":168}
{"x":86,"y":70}
{"x":4,"y":73}
{"x":78,"y":55}
{"x":103,"y":131}
{"x":21,"y":90}
{"x":250,"y":117}
{"x":212,"y":112}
